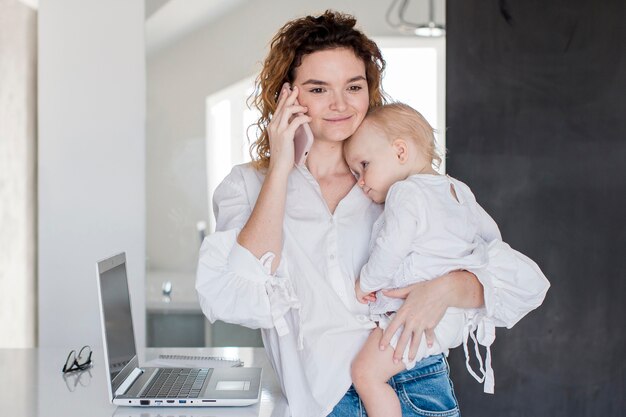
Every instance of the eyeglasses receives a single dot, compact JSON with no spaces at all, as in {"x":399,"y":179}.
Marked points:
{"x":78,"y":362}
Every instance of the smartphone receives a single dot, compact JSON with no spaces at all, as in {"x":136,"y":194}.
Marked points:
{"x":302,"y":141}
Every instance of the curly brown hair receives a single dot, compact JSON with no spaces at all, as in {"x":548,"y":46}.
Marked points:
{"x":293,"y":41}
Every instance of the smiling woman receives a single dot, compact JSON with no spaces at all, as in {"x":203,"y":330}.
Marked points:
{"x":290,"y":241}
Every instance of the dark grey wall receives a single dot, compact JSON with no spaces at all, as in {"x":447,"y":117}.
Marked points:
{"x":536,"y":117}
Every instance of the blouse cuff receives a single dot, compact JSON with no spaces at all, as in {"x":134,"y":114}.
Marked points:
{"x":226,"y":290}
{"x":513,"y":284}
{"x":282,"y":299}
{"x":490,"y":291}
{"x":242,"y":262}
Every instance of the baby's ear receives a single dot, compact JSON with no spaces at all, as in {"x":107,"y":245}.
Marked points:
{"x":402,"y":150}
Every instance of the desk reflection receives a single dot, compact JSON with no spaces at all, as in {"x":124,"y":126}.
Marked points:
{"x":77,"y":378}
{"x":34,"y":386}
{"x":184,"y":412}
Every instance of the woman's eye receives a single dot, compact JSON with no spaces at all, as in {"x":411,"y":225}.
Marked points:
{"x":316,"y":90}
{"x":364,"y":164}
{"x":355,"y":88}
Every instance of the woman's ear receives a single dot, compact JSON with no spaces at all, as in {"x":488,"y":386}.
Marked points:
{"x":402,"y":150}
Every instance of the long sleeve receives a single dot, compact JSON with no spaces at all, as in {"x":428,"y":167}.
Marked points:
{"x":513,"y":284}
{"x":231,"y":282}
{"x":394,"y":242}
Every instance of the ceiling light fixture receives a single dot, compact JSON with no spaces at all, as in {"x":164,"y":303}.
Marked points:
{"x":430,"y":29}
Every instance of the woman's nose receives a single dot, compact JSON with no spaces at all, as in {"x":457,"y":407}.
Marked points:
{"x":338,"y":102}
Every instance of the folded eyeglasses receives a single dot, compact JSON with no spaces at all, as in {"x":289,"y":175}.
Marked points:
{"x":78,"y":362}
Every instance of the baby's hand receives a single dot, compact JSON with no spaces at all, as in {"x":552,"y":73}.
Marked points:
{"x":363,"y":297}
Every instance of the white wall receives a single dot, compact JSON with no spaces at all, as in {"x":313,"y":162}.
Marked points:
{"x":181,"y":76}
{"x":18,"y":107}
{"x":91,"y":161}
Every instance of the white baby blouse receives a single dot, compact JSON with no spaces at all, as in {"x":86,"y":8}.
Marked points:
{"x":425,"y":232}
{"x":312,"y":324}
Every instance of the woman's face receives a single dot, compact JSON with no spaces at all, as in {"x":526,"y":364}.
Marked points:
{"x":332,"y":84}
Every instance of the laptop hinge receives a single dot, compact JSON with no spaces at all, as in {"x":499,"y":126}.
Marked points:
{"x":132,"y":377}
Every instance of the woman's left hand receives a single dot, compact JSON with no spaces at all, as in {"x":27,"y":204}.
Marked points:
{"x":425,"y":304}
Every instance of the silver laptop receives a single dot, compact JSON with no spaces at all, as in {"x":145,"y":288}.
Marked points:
{"x":132,"y":385}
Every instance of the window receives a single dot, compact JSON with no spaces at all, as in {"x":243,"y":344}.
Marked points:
{"x":228,"y":118}
{"x":416,"y":75}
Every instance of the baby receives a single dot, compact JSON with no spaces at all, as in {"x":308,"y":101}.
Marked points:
{"x":431,"y":225}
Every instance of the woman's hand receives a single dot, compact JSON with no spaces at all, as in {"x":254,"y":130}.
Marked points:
{"x":424,"y":306}
{"x":289,"y":115}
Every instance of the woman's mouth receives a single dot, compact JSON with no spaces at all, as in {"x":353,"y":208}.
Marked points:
{"x":338,"y":119}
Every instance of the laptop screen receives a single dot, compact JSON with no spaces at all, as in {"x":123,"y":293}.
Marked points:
{"x":120,"y":337}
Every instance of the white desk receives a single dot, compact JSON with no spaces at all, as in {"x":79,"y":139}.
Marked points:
{"x":32,"y":385}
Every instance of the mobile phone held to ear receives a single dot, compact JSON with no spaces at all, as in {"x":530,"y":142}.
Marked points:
{"x":302,"y":141}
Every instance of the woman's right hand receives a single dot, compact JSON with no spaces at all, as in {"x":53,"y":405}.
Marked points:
{"x":289,"y":115}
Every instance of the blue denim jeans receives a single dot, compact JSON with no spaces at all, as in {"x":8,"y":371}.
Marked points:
{"x":424,"y":391}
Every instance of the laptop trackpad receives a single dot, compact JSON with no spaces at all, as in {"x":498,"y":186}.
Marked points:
{"x":232,"y":386}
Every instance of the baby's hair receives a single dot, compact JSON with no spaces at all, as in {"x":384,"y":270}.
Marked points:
{"x":399,"y":120}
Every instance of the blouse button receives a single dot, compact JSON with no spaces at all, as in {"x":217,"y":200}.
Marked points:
{"x":332,"y":257}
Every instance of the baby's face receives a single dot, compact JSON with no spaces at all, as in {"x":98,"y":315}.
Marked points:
{"x":373,"y":161}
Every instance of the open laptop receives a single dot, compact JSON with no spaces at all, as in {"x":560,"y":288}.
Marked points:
{"x":131,"y":385}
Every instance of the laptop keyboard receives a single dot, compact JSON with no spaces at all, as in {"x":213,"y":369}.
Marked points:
{"x":176,"y":383}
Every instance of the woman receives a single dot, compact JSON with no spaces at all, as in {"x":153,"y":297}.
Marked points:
{"x":290,"y":241}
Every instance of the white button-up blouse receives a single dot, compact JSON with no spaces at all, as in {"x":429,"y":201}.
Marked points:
{"x":312,"y":325}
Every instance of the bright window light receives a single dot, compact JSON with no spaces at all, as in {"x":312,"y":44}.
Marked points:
{"x":415,"y":75}
{"x":228,"y":118}
{"x":411,"y":78}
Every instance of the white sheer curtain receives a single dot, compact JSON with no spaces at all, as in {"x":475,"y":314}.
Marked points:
{"x":18,"y":161}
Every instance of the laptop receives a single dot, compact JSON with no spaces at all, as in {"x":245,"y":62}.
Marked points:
{"x":132,"y":385}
